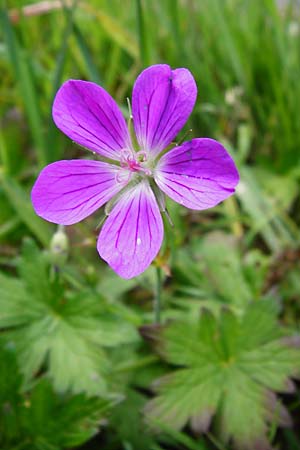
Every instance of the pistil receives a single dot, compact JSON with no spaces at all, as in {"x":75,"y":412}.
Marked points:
{"x":133,"y":162}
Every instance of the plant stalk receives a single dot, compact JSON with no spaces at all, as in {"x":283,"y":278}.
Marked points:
{"x":157,"y":296}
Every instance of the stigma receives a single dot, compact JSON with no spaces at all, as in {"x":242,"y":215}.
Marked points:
{"x":135,"y":161}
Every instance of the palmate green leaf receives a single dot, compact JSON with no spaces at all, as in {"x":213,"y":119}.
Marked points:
{"x":223,"y":268}
{"x":227,"y":367}
{"x":57,"y":330}
{"x":62,"y":421}
{"x":33,"y":268}
{"x":40,"y":419}
{"x":213,"y":268}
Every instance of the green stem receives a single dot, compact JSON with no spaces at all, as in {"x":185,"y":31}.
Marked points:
{"x":157,"y":296}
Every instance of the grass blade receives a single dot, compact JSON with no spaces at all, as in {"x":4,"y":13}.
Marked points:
{"x":23,"y":76}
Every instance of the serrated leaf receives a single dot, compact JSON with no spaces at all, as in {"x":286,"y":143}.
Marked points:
{"x":224,"y":269}
{"x":34,"y":270}
{"x":198,"y":390}
{"x":62,"y":421}
{"x":40,"y":419}
{"x":227,"y":367}
{"x":55,"y":329}
{"x":261,"y":318}
{"x":13,"y":303}
{"x":213,"y":269}
{"x":242,"y":412}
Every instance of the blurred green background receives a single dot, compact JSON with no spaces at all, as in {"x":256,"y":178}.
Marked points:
{"x":74,"y":358}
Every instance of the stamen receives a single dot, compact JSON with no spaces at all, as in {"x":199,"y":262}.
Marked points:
{"x":133,"y":161}
{"x":142,"y":156}
{"x":125,"y":157}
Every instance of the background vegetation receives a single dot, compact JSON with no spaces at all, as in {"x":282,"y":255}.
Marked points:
{"x":81,"y":361}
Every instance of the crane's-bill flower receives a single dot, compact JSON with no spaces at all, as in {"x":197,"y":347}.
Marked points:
{"x":198,"y":174}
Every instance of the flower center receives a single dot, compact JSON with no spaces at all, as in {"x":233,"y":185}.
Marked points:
{"x":135,"y":161}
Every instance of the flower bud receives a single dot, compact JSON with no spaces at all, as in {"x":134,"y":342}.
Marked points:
{"x":59,"y":247}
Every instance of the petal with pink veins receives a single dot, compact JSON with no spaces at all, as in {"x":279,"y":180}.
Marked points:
{"x":198,"y":174}
{"x":133,"y":232}
{"x":88,"y":115}
{"x":68,"y":191}
{"x":162,"y":101}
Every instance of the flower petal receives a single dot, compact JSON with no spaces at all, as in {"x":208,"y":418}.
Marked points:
{"x":68,"y":191}
{"x":88,"y":115}
{"x":162,"y":101}
{"x":199,"y":174}
{"x":132,"y":234}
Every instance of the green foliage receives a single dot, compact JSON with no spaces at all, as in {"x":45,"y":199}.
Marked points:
{"x":223,"y":269}
{"x":22,"y":67}
{"x":228,"y":367}
{"x":60,"y":329}
{"x":215,"y":270}
{"x":18,"y":200}
{"x":41,"y":419}
{"x":127,"y":422}
{"x":266,"y":209}
{"x":74,"y":330}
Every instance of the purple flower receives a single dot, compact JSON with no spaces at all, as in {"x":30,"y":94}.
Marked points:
{"x":198,"y":174}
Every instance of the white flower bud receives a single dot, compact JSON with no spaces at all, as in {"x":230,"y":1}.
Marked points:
{"x":59,"y":247}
